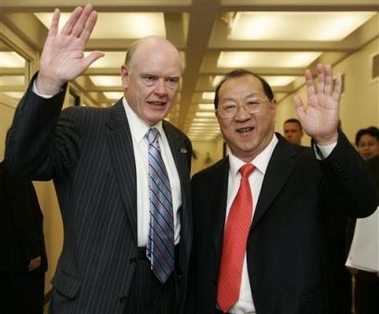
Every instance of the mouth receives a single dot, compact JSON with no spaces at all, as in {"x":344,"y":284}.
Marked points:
{"x":245,"y":130}
{"x":157,"y":103}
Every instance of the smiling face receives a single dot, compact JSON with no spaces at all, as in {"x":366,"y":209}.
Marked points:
{"x":151,"y":79}
{"x":246,"y":134}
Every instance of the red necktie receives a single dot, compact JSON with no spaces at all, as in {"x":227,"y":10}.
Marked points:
{"x":234,"y":243}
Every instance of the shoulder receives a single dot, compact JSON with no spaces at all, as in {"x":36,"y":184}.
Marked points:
{"x":214,"y":171}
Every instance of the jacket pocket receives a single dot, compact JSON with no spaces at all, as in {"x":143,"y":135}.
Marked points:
{"x":67,"y":284}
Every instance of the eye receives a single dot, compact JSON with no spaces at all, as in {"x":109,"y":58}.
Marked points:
{"x":228,"y":107}
{"x":254,"y":101}
{"x":149,"y":78}
{"x":172,"y":80}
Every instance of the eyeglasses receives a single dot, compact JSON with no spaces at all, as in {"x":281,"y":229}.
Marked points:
{"x":253,"y":105}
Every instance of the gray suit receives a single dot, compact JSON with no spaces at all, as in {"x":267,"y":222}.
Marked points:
{"x":89,"y":154}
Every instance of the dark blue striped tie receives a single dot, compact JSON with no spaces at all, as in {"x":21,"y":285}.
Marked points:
{"x":160,"y":246}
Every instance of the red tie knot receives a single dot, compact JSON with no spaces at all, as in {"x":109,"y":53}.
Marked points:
{"x":246,"y":170}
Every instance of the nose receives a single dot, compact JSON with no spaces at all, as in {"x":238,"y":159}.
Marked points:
{"x":160,"y":87}
{"x":242,"y":113}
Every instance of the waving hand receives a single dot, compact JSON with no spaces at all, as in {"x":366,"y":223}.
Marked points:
{"x":320,"y":116}
{"x":62,"y":58}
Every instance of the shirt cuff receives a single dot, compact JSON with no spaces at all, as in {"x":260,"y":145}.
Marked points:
{"x":34,"y":89}
{"x":323,"y":152}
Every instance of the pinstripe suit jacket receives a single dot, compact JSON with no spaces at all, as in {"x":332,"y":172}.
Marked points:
{"x":88,"y":152}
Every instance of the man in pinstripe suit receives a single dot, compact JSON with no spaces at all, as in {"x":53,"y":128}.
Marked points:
{"x":98,"y":161}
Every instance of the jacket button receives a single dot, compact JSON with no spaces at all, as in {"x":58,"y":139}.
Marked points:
{"x":123,"y":298}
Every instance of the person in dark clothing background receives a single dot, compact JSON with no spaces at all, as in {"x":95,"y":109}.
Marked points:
{"x":366,"y":292}
{"x":23,"y":261}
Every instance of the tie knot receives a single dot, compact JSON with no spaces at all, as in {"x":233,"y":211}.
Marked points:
{"x":151,"y":135}
{"x":246,"y":170}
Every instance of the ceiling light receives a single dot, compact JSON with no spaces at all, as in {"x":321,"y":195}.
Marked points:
{"x":106,"y":80}
{"x":206,"y":107}
{"x":113,"y":95}
{"x":11,"y":60}
{"x":205,"y":114}
{"x":279,"y":80}
{"x":279,"y":26}
{"x":129,"y":25}
{"x":208,"y":95}
{"x":248,"y":59}
{"x":111,"y":59}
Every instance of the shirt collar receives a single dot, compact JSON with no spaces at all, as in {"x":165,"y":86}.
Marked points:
{"x":138,"y":127}
{"x":260,"y":162}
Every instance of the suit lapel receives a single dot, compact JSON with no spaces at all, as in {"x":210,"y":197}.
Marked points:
{"x":182,"y":157}
{"x":122,"y":154}
{"x":180,"y":154}
{"x":278,"y":171}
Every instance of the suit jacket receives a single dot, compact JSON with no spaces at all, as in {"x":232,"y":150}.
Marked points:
{"x":21,"y":225}
{"x":285,"y":246}
{"x":89,"y":154}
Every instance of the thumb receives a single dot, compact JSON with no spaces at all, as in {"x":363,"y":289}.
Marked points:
{"x":92,"y":57}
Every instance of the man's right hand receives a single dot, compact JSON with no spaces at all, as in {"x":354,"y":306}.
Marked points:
{"x":62,"y":58}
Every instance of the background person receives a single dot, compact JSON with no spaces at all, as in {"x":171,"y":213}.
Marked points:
{"x":98,"y":159}
{"x":23,"y":261}
{"x":293,"y":131}
{"x":366,"y":291}
{"x":292,"y":190}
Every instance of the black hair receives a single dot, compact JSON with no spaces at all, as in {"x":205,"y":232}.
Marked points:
{"x":371,"y":130}
{"x":239,"y":73}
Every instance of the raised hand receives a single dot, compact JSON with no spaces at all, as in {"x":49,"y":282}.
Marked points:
{"x":62,"y":58}
{"x":319,"y":117}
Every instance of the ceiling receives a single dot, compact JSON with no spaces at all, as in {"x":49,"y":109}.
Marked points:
{"x":274,"y":38}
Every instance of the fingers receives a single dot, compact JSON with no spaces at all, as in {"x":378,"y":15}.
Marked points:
{"x":54,"y":25}
{"x":81,"y":22}
{"x":336,"y":95}
{"x":85,"y":23}
{"x":34,"y":263}
{"x":90,"y":25}
{"x":328,"y":79}
{"x":68,"y":27}
{"x":309,"y":83}
{"x":325,"y":82}
{"x":320,"y":79}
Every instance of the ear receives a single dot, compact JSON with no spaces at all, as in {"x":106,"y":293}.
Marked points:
{"x":273,"y":105}
{"x":124,"y":76}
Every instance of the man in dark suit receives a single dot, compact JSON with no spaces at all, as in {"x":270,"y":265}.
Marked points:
{"x":98,"y":159}
{"x":282,"y":267}
{"x":23,"y":260}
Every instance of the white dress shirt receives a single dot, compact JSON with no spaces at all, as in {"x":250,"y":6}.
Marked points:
{"x":138,"y":130}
